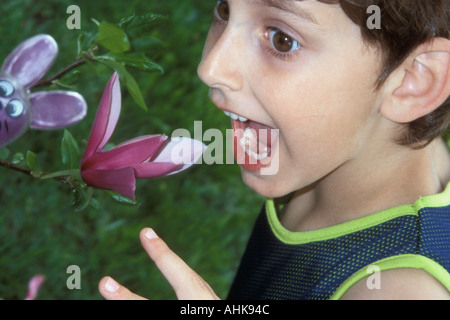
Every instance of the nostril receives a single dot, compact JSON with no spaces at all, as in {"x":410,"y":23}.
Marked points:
{"x":1,"y":106}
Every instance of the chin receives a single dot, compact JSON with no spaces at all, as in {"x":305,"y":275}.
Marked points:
{"x":266,"y":186}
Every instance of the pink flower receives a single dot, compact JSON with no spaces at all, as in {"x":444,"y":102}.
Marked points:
{"x":143,"y":157}
{"x":33,"y":286}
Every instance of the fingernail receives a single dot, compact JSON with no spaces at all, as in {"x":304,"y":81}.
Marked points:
{"x":150,"y":234}
{"x":111,"y":286}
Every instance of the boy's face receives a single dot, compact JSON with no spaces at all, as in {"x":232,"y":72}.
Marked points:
{"x":304,"y":71}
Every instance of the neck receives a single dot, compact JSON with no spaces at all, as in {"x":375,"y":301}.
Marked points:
{"x":369,"y":183}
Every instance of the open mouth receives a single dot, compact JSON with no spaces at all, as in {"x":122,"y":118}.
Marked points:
{"x":253,"y":142}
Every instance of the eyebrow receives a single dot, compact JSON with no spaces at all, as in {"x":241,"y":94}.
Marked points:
{"x":290,"y":7}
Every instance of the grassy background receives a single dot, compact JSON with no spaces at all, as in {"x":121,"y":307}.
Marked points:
{"x":205,"y":214}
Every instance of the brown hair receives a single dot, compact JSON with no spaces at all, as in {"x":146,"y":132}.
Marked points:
{"x":405,"y":24}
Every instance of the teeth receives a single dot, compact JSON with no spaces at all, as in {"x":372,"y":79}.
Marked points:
{"x":235,"y":116}
{"x":245,"y":144}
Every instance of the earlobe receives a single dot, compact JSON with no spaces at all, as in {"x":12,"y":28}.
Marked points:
{"x":425,"y":83}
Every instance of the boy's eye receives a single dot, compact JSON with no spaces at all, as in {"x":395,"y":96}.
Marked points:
{"x":223,"y":10}
{"x":282,"y":42}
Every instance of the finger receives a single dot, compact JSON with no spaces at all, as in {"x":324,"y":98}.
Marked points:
{"x":111,"y":290}
{"x":186,"y":283}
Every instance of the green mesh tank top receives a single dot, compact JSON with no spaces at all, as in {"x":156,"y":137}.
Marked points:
{"x":324,"y":264}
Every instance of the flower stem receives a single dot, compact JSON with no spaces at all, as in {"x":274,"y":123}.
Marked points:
{"x":61,"y":176}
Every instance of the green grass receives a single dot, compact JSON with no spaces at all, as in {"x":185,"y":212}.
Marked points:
{"x":205,"y":214}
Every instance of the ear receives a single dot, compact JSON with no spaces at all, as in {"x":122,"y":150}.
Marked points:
{"x":420,"y":84}
{"x":30,"y":61}
{"x":56,"y":109}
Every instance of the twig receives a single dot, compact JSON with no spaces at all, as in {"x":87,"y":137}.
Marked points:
{"x":63,"y":176}
{"x":14,"y":167}
{"x":49,"y":81}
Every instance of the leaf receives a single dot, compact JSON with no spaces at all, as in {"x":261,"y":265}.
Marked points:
{"x":31,"y":160}
{"x":136,"y":60}
{"x":126,"y":78}
{"x":121,"y":199}
{"x":91,"y":65}
{"x":112,"y":38}
{"x":18,"y":158}
{"x":70,"y":152}
{"x":134,"y":23}
{"x":85,"y":42}
{"x":81,"y":198}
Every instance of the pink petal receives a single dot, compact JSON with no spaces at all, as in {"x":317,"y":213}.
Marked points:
{"x":183,"y":151}
{"x":126,"y":154}
{"x":122,"y":181}
{"x":155,"y":169}
{"x":107,"y":116}
{"x":33,"y":286}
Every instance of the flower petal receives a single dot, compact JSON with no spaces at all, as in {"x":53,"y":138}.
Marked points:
{"x":33,"y":286}
{"x":122,"y":181}
{"x":126,"y":154}
{"x":183,"y":151}
{"x":155,"y":169}
{"x":107,"y":116}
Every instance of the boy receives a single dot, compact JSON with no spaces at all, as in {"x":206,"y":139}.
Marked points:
{"x":357,"y":113}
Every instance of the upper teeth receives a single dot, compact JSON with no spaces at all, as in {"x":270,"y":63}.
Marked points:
{"x":235,"y":116}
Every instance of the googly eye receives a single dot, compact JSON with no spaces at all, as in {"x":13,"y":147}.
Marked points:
{"x":15,"y":108}
{"x":6,"y":88}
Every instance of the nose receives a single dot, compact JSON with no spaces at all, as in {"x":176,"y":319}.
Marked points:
{"x":222,"y":59}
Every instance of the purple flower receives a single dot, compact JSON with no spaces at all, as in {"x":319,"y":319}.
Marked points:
{"x":44,"y":110}
{"x":142,"y":157}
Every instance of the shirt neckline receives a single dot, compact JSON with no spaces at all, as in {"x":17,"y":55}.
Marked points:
{"x":290,"y":237}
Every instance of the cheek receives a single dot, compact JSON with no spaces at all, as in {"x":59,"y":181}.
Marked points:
{"x":322,"y":126}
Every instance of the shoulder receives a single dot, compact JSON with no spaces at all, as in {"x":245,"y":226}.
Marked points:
{"x":398,"y":284}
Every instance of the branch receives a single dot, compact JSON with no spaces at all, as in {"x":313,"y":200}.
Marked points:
{"x":14,"y":167}
{"x":62,"y":176}
{"x":78,"y":62}
{"x":49,"y":81}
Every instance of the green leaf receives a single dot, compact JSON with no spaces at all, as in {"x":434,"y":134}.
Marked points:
{"x":86,"y":42}
{"x":18,"y":158}
{"x":70,"y":152}
{"x":121,"y":199}
{"x":81,"y":198}
{"x":112,"y":38}
{"x":126,"y":78}
{"x":137,"y":22}
{"x":91,"y":65}
{"x":136,"y":60}
{"x":31,"y":160}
